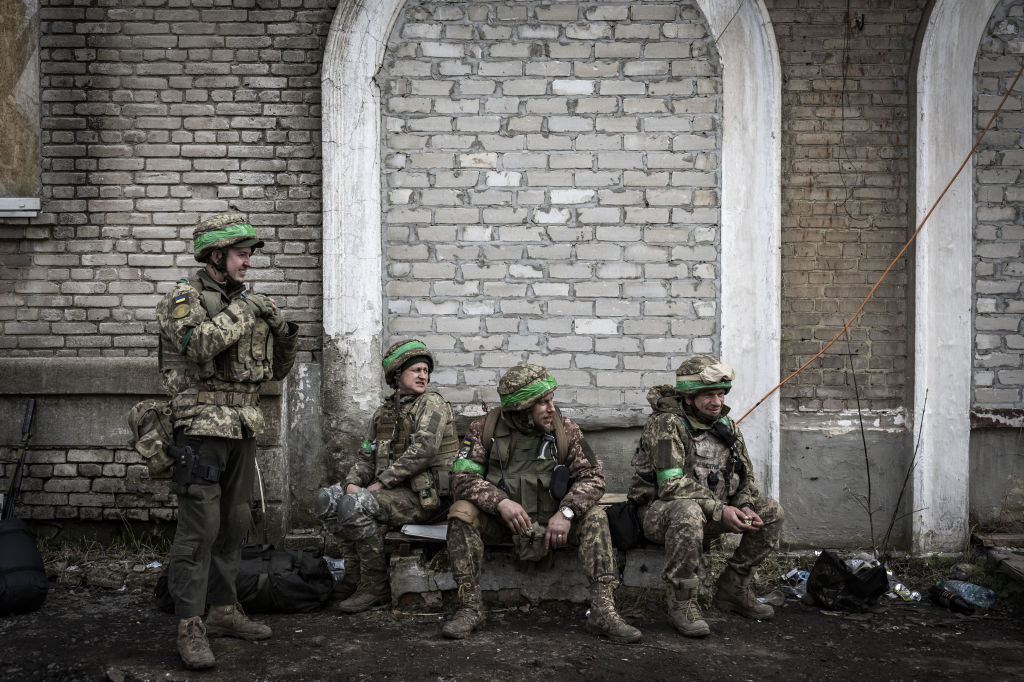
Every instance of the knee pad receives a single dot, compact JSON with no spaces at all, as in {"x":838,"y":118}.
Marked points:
{"x":464,"y":511}
{"x":359,"y":515}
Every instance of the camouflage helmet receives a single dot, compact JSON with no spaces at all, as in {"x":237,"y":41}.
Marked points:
{"x":223,"y":230}
{"x":524,"y":385}
{"x":702,"y":372}
{"x":401,"y":355}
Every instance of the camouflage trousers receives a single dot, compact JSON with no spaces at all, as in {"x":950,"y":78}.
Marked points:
{"x":589,"y":535}
{"x":364,"y":556}
{"x":212,"y":521}
{"x":682,"y":527}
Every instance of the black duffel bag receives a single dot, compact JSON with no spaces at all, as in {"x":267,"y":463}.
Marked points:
{"x":273,"y":581}
{"x":23,"y":584}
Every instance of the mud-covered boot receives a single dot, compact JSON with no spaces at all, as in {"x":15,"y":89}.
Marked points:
{"x":193,"y":647}
{"x":604,"y":620}
{"x":231,"y":621}
{"x":684,"y":611}
{"x":366,"y":596}
{"x":736,"y":594}
{"x":373,"y":589}
{"x":470,"y":614}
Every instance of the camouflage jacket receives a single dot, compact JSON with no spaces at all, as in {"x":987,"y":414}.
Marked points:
{"x":432,"y":420}
{"x":586,"y":472}
{"x":667,"y":451}
{"x":215,"y":352}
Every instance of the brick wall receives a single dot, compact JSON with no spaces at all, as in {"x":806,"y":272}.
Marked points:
{"x":550,"y":180}
{"x":845,"y":185}
{"x":998,"y":235}
{"x":154,"y":115}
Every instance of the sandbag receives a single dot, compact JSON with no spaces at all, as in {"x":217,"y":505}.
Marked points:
{"x":273,"y":581}
{"x":23,"y":584}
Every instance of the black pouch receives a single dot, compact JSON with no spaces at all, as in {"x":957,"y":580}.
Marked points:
{"x":625,"y":525}
{"x":184,"y":463}
{"x":559,"y":482}
{"x":833,"y":585}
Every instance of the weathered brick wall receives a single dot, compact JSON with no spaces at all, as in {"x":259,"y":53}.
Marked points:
{"x":845,"y":185}
{"x":154,"y":115}
{"x":998,"y":234}
{"x":551,"y":175}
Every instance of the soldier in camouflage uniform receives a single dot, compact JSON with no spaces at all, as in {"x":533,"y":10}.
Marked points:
{"x":400,"y":474}
{"x":693,"y":479}
{"x":502,"y":478}
{"x":218,"y":345}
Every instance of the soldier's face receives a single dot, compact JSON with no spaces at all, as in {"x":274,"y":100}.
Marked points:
{"x":414,"y":379}
{"x":236,"y":262}
{"x":543,"y":412}
{"x":709,"y":403}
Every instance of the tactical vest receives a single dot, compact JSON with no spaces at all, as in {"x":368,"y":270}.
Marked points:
{"x":513,"y":465}
{"x":708,"y":462}
{"x":249,"y":362}
{"x":394,"y":430}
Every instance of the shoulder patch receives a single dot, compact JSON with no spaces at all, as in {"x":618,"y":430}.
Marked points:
{"x":465,"y":449}
{"x":180,"y":309}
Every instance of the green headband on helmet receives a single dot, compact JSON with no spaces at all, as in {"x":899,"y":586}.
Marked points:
{"x":229,"y":232}
{"x":405,"y":347}
{"x":684,"y":386}
{"x":539,"y":387}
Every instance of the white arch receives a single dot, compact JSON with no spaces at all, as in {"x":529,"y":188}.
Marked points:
{"x":751,"y":213}
{"x":943,"y":273}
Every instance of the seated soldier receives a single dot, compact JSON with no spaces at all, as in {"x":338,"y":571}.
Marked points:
{"x":693,"y":480}
{"x":400,"y":474}
{"x":508,"y":462}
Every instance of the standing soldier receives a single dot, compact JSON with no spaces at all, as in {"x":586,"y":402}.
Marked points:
{"x":400,"y":475}
{"x":519,"y":467}
{"x":693,"y":480}
{"x":218,"y":345}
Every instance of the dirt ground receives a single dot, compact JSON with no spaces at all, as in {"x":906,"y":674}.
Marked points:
{"x":87,"y":632}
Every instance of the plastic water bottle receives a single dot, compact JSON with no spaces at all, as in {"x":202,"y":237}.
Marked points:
{"x":982,"y":597}
{"x":951,"y":600}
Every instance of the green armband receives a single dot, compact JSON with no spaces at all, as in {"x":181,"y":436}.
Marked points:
{"x":666,"y":474}
{"x":467,"y":465}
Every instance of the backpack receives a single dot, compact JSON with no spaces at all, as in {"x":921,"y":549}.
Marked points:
{"x":273,"y":581}
{"x":833,"y":585}
{"x":152,"y":433}
{"x":23,"y":584}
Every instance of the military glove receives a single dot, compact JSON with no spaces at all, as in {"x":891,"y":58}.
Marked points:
{"x":265,"y":309}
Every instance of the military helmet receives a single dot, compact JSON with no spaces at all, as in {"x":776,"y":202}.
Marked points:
{"x":399,"y":356}
{"x":524,"y":385}
{"x":702,"y":372}
{"x":221,"y":231}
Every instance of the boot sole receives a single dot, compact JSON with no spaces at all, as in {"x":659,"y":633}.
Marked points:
{"x":214,"y":631}
{"x":594,"y":630}
{"x":360,"y":609}
{"x":729,"y":607}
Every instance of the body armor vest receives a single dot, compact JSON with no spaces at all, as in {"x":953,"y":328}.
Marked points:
{"x":513,"y":465}
{"x":709,"y":464}
{"x":394,"y":430}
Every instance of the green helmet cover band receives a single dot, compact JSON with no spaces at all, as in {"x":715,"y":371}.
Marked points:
{"x":539,"y":387}
{"x":700,"y":385}
{"x":402,"y":349}
{"x":229,"y":232}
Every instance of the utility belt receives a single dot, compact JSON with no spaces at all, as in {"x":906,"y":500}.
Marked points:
{"x":228,"y":398}
{"x":190,"y":464}
{"x":431,"y":486}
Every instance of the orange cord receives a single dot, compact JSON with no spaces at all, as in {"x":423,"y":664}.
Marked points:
{"x":898,"y":255}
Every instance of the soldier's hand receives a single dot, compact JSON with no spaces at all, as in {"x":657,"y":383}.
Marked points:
{"x":376,"y":485}
{"x":352,"y":488}
{"x":515,"y":517}
{"x":556,"y":535}
{"x":740,"y":520}
{"x":262,"y":305}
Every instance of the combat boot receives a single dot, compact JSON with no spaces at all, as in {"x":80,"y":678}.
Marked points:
{"x":684,"y":611}
{"x":736,"y":594}
{"x":604,"y":620}
{"x":231,"y":621}
{"x":193,"y":647}
{"x":366,"y":596}
{"x":470,"y":614}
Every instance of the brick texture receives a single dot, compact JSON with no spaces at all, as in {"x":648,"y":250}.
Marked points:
{"x":845,"y":198}
{"x":998,"y":235}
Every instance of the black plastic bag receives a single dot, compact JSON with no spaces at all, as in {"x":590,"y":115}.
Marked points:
{"x":833,"y":585}
{"x":273,"y":581}
{"x":624,"y":524}
{"x":23,"y":584}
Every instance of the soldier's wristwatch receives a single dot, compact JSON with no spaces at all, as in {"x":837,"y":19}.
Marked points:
{"x":567,"y":512}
